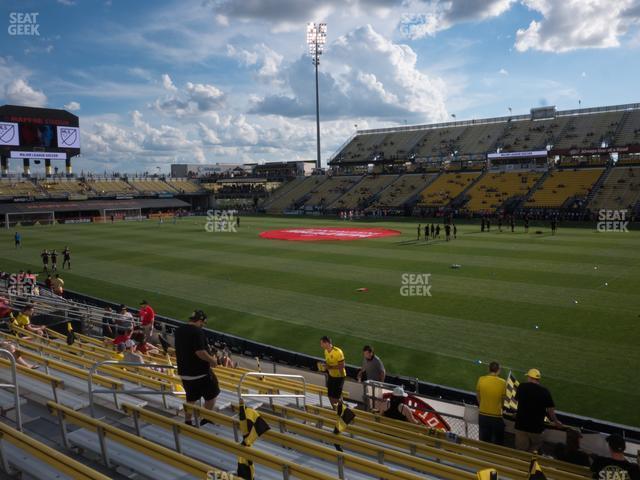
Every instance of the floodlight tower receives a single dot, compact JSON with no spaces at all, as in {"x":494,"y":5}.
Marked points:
{"x":316,"y":38}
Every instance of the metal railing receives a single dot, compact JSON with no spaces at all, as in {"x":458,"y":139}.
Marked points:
{"x":14,"y":385}
{"x":141,"y":391}
{"x":271,"y":396}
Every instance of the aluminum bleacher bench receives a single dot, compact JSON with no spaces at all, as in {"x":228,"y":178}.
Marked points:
{"x":231,"y":447}
{"x":316,"y":456}
{"x":33,"y":458}
{"x":118,"y":447}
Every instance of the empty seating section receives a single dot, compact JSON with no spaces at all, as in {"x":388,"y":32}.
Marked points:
{"x":590,"y":130}
{"x":361,"y":147}
{"x":447,"y":187}
{"x":562,"y":185}
{"x":481,"y":138}
{"x":329,"y":190}
{"x":64,"y":187}
{"x":439,"y":142}
{"x":398,"y":145}
{"x":19,"y":188}
{"x":151,"y":185}
{"x":629,"y":132}
{"x":493,"y":189}
{"x":584,"y":130}
{"x":184,"y":185}
{"x":402,"y":190}
{"x":359,"y":196}
{"x":294,"y":191}
{"x":620,"y":190}
{"x":530,"y":135}
{"x":111,"y":187}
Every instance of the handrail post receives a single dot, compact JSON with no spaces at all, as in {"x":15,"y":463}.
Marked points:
{"x":94,"y":368}
{"x":14,"y":385}
{"x":270,"y":395}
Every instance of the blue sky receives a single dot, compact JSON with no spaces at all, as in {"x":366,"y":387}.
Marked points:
{"x":156,"y":82}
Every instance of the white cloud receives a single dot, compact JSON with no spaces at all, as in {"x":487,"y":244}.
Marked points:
{"x":67,"y":3}
{"x":266,"y":60}
{"x":574,"y":24}
{"x":430,"y":17}
{"x":502,"y":71}
{"x":167,"y":83}
{"x":364,"y":74}
{"x":583,"y":74}
{"x":73,"y":106}
{"x":19,"y":92}
{"x":195,"y":98}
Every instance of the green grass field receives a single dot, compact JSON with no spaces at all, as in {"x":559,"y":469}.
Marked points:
{"x":290,"y":293}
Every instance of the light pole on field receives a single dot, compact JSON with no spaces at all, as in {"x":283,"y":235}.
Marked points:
{"x":316,"y":38}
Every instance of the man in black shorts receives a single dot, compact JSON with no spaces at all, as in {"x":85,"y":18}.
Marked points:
{"x":45,"y":260}
{"x":54,"y":261}
{"x":66,"y":258}
{"x":195,"y":363}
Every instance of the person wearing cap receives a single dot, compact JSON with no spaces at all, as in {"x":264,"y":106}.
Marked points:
{"x":147,"y":319}
{"x":334,"y":366}
{"x":534,"y":403}
{"x":490,"y":392}
{"x":396,"y":408}
{"x":195,"y":364}
{"x":616,"y":466}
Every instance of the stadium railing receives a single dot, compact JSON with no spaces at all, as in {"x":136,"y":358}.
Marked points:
{"x":179,"y":428}
{"x":314,"y":430}
{"x":42,"y":461}
{"x":376,"y":425}
{"x":336,"y":461}
{"x":136,"y":453}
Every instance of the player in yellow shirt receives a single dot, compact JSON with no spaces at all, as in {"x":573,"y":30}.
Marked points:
{"x":334,"y":366}
{"x":491,"y":391}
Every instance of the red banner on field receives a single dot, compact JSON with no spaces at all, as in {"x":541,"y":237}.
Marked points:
{"x":328,"y":233}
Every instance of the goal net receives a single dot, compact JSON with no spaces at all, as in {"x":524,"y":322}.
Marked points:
{"x":28,"y":219}
{"x":121,"y":214}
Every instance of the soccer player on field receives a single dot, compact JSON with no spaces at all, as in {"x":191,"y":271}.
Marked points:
{"x":45,"y":260}
{"x":334,"y":366}
{"x":54,"y":261}
{"x":66,"y":257}
{"x":419,"y":230}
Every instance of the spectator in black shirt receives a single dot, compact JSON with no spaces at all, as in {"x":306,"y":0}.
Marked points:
{"x":616,"y":467}
{"x":195,"y":364}
{"x":534,"y":403}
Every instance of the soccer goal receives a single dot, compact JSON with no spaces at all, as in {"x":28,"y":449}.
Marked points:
{"x":120,"y":214}
{"x":28,"y":219}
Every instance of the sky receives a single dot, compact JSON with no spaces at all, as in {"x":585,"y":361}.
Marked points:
{"x":156,"y":82}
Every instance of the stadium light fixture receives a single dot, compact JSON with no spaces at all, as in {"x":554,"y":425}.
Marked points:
{"x":316,"y":39}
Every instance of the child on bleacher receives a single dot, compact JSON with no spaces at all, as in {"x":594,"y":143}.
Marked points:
{"x":10,"y":347}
